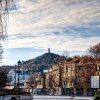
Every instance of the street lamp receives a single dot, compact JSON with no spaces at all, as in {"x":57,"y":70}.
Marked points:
{"x":15,"y":76}
{"x":64,"y":83}
{"x":19,"y":62}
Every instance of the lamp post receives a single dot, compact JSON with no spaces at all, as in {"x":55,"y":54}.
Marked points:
{"x":19,"y":62}
{"x":15,"y":76}
{"x":65,"y":83}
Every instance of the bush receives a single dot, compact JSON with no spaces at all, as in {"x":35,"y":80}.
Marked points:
{"x":97,"y":97}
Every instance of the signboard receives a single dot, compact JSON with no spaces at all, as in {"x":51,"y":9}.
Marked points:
{"x":95,"y":82}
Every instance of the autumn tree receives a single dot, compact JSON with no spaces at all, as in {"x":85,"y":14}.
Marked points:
{"x":94,"y":51}
{"x":83,"y":75}
{"x":33,"y":79}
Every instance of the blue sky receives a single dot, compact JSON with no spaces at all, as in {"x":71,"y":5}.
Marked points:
{"x":36,"y":25}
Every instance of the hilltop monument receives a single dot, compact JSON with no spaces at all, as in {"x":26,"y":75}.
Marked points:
{"x":49,"y":50}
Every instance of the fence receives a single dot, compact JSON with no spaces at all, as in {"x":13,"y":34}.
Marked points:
{"x":18,"y":97}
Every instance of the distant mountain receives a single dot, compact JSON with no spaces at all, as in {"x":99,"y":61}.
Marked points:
{"x":42,"y":62}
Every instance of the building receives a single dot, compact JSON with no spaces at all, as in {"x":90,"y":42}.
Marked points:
{"x":53,"y":79}
{"x":95,"y":79}
{"x":72,"y":78}
{"x":18,"y":77}
{"x":38,"y":83}
{"x":68,"y":77}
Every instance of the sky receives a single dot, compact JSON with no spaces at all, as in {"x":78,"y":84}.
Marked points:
{"x":36,"y":25}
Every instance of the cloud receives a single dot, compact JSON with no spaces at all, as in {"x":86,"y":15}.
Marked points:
{"x":56,"y":42}
{"x":59,"y":24}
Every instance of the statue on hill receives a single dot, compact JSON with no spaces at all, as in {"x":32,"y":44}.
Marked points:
{"x":49,"y":50}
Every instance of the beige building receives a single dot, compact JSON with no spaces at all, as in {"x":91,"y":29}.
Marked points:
{"x":54,"y":79}
{"x":69,"y":77}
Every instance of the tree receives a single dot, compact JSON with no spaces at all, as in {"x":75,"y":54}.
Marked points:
{"x":33,"y":79}
{"x":1,"y":51}
{"x":5,"y":7}
{"x":66,"y":53}
{"x":83,"y":75}
{"x":3,"y":79}
{"x":94,"y":51}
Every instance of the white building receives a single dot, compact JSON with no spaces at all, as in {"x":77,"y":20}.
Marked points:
{"x":24,"y":76}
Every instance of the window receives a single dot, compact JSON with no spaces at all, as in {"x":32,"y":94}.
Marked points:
{"x":66,"y":69}
{"x":95,"y":82}
{"x":69,"y":69}
{"x":78,"y":79}
{"x":23,"y":77}
{"x":98,"y":67}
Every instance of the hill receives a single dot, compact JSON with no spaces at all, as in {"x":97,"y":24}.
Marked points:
{"x":42,"y":62}
{"x":6,"y":68}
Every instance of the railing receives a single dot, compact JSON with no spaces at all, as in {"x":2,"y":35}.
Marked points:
{"x":18,"y":97}
{"x":42,"y":97}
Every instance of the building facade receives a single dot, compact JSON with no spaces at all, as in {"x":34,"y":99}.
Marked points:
{"x":71,"y":78}
{"x":20,"y":77}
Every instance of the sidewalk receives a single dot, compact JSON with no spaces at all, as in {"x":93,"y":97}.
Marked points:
{"x":43,"y":97}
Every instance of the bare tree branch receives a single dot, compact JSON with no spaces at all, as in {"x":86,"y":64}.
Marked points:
{"x":5,"y":7}
{"x":94,"y":51}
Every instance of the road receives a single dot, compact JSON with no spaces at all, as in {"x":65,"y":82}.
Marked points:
{"x":36,"y":97}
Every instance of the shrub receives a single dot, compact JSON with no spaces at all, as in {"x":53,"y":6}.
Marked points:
{"x":97,"y":97}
